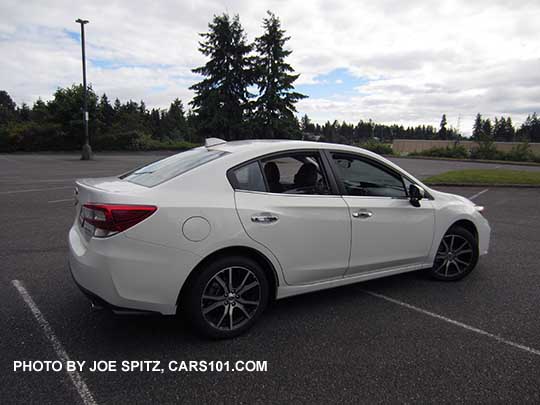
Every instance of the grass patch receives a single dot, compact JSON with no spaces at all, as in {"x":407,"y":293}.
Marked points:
{"x":486,"y":176}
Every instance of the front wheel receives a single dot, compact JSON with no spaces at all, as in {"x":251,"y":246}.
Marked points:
{"x":227,"y":297}
{"x":457,"y":255}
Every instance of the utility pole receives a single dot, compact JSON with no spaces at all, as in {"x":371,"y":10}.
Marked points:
{"x":86,"y":149}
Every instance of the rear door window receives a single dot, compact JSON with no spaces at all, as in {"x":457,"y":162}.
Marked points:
{"x":296,"y":173}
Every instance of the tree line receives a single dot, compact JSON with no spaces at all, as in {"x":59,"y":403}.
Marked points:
{"x":246,"y":91}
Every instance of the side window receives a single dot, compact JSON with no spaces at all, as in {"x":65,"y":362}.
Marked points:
{"x":362,"y":178}
{"x":248,"y":177}
{"x":296,"y":173}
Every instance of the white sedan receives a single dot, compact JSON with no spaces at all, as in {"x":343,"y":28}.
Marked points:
{"x":219,"y":231}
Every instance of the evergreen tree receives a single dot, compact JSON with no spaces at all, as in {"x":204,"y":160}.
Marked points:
{"x":306,"y":125}
{"x":530,"y":129}
{"x":487,"y":129}
{"x":7,"y":107}
{"x":509,"y":131}
{"x":174,"y":121}
{"x":443,"y":132}
{"x":24,"y":112}
{"x":221,"y":97}
{"x":274,"y":109}
{"x":154,"y":124}
{"x":477,"y":127}
{"x":105,"y":111}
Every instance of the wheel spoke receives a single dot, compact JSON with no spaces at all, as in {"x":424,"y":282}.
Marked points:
{"x":452,"y":242}
{"x":243,"y":309}
{"x":210,"y":308}
{"x":461,"y":261}
{"x":225,"y":310}
{"x":221,"y":283}
{"x":458,"y":269}
{"x":447,"y":267}
{"x":463,"y":252}
{"x":462,"y":246}
{"x":248,"y":287}
{"x":231,"y":309}
{"x":243,"y":281}
{"x":213,"y":297}
{"x":247,"y":302}
{"x":230,"y":279}
{"x":445,"y":245}
{"x":440,"y":267}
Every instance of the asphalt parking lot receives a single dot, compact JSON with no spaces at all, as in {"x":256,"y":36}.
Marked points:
{"x":399,"y":339}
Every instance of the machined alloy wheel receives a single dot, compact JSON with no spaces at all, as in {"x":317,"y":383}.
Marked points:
{"x":226,"y":297}
{"x":231,"y":298}
{"x":457,"y":255}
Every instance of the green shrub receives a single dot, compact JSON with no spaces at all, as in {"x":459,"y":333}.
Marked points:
{"x":377,"y":147}
{"x":486,"y":151}
{"x":31,"y":136}
{"x":520,"y":153}
{"x":456,"y":151}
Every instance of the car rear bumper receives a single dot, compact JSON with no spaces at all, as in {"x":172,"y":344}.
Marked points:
{"x":128,"y":275}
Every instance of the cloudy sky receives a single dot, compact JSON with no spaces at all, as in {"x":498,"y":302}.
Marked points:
{"x":394,"y":61}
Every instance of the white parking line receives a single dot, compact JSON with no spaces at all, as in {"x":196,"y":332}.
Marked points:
{"x":57,"y":201}
{"x":34,"y":189}
{"x":472,"y":197}
{"x":456,"y":323}
{"x":76,"y":378}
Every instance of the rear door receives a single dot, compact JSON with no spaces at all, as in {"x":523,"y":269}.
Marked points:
{"x":387,"y":231}
{"x":299,"y":220}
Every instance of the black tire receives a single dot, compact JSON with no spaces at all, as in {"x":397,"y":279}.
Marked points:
{"x":219,"y":312}
{"x":456,"y":256}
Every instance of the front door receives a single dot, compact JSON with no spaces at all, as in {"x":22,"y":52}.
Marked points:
{"x":387,"y":231}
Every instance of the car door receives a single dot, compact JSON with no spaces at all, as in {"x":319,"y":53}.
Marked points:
{"x":387,"y":231}
{"x":285,"y":202}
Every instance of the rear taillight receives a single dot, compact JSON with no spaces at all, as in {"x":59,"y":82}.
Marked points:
{"x":109,"y":219}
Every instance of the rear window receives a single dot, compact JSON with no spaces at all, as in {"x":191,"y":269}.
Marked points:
{"x":165,"y":169}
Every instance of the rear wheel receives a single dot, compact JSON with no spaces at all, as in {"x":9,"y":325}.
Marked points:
{"x":457,"y":255}
{"x":227,"y":297}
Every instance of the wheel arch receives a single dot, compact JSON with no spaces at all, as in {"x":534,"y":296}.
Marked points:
{"x":246,"y":251}
{"x":466,"y":224}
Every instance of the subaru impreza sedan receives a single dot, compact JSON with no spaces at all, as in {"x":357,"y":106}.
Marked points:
{"x":219,"y":231}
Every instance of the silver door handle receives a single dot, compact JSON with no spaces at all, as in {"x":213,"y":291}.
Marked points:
{"x":362,"y":214}
{"x":264,"y":218}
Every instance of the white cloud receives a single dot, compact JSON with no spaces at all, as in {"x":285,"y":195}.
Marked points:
{"x":422,"y":59}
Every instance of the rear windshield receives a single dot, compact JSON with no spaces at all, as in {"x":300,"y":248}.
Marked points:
{"x":165,"y":169}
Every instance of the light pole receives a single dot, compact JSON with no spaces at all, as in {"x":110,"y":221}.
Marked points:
{"x":86,"y":149}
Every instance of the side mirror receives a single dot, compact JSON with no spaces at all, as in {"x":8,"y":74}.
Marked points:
{"x":416,"y":193}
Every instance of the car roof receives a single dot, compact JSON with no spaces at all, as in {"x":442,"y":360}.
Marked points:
{"x":265,"y":146}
